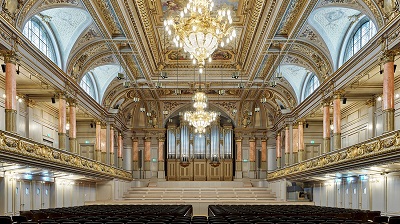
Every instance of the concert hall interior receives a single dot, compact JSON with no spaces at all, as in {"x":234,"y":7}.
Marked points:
{"x":200,"y":103}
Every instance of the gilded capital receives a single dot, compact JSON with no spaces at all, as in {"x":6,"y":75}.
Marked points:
{"x":370,"y":102}
{"x":388,"y":56}
{"x":9,"y":56}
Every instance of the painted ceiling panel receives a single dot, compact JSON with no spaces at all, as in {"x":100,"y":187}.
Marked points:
{"x":67,"y":24}
{"x":295,"y":75}
{"x":333,"y":23}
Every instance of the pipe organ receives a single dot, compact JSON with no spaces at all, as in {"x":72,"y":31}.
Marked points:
{"x":199,"y":157}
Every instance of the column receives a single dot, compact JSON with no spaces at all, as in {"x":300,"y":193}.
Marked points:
{"x":120,"y":148}
{"x":62,"y":121}
{"x":371,"y":117}
{"x":103,"y":144}
{"x":388,"y":91}
{"x":238,"y":170}
{"x":135,"y":153}
{"x":252,"y":157}
{"x":278,"y":150}
{"x":112,"y":149}
{"x":147,"y":156}
{"x":11,"y":92}
{"x":98,"y":141}
{"x":264,"y":154}
{"x":326,"y":132}
{"x":72,"y":126}
{"x":301,"y":142}
{"x":337,"y":141}
{"x":161,"y":170}
{"x":295,"y":143}
{"x":287,"y":146}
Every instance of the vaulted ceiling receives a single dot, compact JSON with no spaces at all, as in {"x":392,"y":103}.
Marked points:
{"x":106,"y":37}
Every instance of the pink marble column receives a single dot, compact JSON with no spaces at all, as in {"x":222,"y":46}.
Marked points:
{"x":295,"y":143}
{"x":301,"y":142}
{"x":238,"y":154}
{"x":287,"y":146}
{"x":62,"y":121}
{"x":11,"y":93}
{"x":112,"y":148}
{"x":264,"y":154}
{"x":120,"y":148}
{"x":326,"y":132}
{"x":337,"y":141}
{"x":103,"y":143}
{"x":135,"y":155}
{"x":252,"y":156}
{"x":388,"y":92}
{"x":72,"y":126}
{"x":147,"y":153}
{"x":161,"y":142}
{"x":278,"y":150}
{"x":98,"y":141}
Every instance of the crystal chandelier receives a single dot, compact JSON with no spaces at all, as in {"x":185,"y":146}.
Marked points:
{"x":199,"y":32}
{"x":200,"y":118}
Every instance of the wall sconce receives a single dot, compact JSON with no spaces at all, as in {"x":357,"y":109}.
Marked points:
{"x":142,"y":109}
{"x":331,"y":126}
{"x":4,"y":95}
{"x":379,"y":98}
{"x":257,"y":109}
{"x":67,"y":126}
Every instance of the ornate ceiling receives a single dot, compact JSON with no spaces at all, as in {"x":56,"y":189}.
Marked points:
{"x":104,"y":37}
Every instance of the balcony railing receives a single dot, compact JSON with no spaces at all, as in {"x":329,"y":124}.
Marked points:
{"x":14,"y":148}
{"x":378,"y":150}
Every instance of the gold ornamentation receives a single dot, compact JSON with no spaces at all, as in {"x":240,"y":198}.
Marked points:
{"x":21,"y":147}
{"x":335,"y":160}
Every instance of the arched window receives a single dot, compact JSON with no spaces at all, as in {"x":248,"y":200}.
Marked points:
{"x":311,"y":85}
{"x":88,"y":86}
{"x":38,"y":35}
{"x":360,"y":37}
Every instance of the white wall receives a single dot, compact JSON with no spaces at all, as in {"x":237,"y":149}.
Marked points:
{"x":378,"y":193}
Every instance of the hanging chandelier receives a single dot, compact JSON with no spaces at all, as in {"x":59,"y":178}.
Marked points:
{"x":199,"y":32}
{"x":200,"y":118}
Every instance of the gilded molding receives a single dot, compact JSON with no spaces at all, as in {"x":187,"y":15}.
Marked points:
{"x":35,"y":152}
{"x":387,"y":144}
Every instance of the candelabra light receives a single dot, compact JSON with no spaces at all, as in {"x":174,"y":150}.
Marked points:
{"x":199,"y":32}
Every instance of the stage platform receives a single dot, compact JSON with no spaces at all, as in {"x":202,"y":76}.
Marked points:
{"x":200,"y":194}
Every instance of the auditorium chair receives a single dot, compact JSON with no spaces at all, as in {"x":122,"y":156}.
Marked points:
{"x":29,"y":222}
{"x":394,"y":220}
{"x":18,"y":219}
{"x":381,"y":219}
{"x":5,"y":220}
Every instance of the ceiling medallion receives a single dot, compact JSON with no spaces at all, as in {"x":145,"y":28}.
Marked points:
{"x":199,"y":32}
{"x":200,"y":118}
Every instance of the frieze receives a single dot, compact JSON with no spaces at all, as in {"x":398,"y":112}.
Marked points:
{"x":38,"y":152}
{"x":387,"y":144}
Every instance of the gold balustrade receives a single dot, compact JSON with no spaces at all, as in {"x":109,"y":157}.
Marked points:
{"x":15,"y":148}
{"x":378,"y":150}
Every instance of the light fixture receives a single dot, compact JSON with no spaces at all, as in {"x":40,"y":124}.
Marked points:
{"x":279,"y":73}
{"x":200,"y":118}
{"x":67,"y":126}
{"x":272,"y":83}
{"x":136,"y":99}
{"x":263,"y":100}
{"x":221,"y":92}
{"x":4,"y":95}
{"x":165,"y":112}
{"x":142,"y":109}
{"x":379,"y":98}
{"x":164,"y":75}
{"x":198,"y":31}
{"x":331,"y":126}
{"x":235,"y":75}
{"x":257,"y":109}
{"x":120,"y":76}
